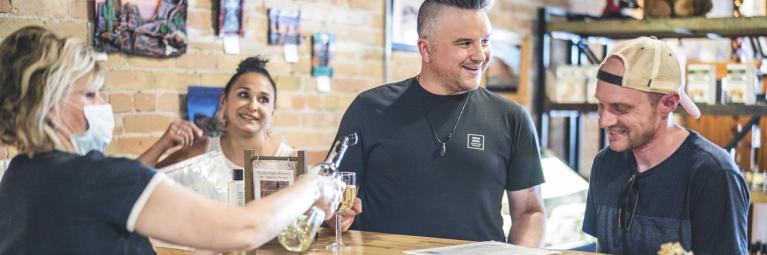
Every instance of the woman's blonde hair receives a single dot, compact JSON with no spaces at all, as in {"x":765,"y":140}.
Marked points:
{"x":37,"y":69}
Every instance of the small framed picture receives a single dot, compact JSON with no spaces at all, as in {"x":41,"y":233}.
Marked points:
{"x":504,"y":70}
{"x":284,"y":27}
{"x":404,"y":24}
{"x":265,"y":175}
{"x":140,"y":27}
{"x":230,"y":18}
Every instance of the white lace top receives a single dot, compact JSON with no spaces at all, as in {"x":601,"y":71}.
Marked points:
{"x":214,"y":144}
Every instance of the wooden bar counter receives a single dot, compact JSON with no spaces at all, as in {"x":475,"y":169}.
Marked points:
{"x":758,"y":197}
{"x":369,"y":243}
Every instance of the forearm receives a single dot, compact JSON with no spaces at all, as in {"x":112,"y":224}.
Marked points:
{"x":178,"y":215}
{"x":153,"y":154}
{"x":527,"y":229}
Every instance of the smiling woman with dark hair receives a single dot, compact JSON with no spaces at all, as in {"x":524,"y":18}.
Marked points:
{"x":248,"y":106}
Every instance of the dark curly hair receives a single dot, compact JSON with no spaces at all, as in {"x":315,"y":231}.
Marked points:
{"x":255,"y":64}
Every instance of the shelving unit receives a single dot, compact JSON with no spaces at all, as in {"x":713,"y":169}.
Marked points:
{"x":585,"y":28}
{"x":729,"y":109}
{"x":664,"y":28}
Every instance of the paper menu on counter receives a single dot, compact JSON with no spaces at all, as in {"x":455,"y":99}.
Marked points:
{"x":488,"y":248}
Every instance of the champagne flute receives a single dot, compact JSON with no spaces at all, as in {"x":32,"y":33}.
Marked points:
{"x":350,"y":193}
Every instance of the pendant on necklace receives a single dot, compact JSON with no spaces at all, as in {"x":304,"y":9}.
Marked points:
{"x":443,"y":150}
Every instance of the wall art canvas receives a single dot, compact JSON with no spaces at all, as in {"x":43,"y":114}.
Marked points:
{"x":155,"y":28}
{"x":284,"y":27}
{"x":503,"y":72}
{"x":230,"y":18}
{"x":202,"y":108}
{"x":323,"y":49}
{"x":404,"y":24}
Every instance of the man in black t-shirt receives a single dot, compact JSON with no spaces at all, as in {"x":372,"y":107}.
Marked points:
{"x":436,"y":152}
{"x":658,"y":182}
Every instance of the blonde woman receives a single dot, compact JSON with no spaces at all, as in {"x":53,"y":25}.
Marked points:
{"x":61,"y":195}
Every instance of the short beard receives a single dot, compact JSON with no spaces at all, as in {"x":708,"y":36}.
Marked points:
{"x":644,"y":138}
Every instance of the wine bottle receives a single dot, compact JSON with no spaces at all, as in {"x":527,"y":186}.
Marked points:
{"x":298,"y":237}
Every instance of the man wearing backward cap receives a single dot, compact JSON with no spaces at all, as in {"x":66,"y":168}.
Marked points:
{"x":658,"y":182}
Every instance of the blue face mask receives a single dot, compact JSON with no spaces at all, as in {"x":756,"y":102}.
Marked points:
{"x":101,"y":122}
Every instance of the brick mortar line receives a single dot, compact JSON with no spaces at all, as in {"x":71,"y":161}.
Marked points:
{"x":9,"y":16}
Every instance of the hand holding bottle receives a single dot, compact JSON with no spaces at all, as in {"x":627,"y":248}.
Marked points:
{"x":329,"y":192}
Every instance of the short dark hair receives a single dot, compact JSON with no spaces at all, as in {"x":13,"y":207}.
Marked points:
{"x":654,"y":98}
{"x":430,"y":9}
{"x":255,"y":64}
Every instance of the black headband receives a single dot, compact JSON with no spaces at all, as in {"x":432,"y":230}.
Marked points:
{"x":610,"y":78}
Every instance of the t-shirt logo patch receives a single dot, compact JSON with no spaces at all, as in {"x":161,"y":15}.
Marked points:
{"x":476,"y":142}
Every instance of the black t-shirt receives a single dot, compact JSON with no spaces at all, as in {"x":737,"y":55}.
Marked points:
{"x":62,"y":203}
{"x":696,"y":197}
{"x":406,"y":187}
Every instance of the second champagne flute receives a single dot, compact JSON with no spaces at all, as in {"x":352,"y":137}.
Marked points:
{"x":350,"y":193}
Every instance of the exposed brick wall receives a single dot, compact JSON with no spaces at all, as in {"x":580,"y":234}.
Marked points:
{"x":147,"y":93}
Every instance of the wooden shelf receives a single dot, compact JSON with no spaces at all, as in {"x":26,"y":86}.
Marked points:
{"x":733,"y":109}
{"x":728,"y":109}
{"x":665,"y":27}
{"x":758,"y":197}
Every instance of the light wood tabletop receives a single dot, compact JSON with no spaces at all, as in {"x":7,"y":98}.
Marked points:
{"x":758,"y":197}
{"x":361,"y":242}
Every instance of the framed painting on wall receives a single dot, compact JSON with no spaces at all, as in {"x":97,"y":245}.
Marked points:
{"x":323,"y":50}
{"x":404,"y":24}
{"x":505,"y":68}
{"x":230,"y":18}
{"x":284,"y":27}
{"x":155,"y":28}
{"x":202,"y":109}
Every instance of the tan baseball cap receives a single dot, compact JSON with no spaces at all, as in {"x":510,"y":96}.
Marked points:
{"x":652,"y":66}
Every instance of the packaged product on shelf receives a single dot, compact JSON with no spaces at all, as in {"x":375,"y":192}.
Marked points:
{"x":740,"y":85}
{"x":764,"y":183}
{"x":570,"y":85}
{"x":236,"y":196}
{"x":591,"y":82}
{"x":701,"y":83}
{"x":757,"y":181}
{"x":756,"y":143}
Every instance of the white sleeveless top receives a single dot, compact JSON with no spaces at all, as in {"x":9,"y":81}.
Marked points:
{"x":214,"y":144}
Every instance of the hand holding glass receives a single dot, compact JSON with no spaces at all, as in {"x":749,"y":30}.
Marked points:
{"x":350,"y":194}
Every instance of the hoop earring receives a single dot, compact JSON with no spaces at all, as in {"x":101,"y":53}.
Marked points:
{"x":225,"y":120}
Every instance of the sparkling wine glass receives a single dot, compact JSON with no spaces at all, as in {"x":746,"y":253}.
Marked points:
{"x":350,"y":193}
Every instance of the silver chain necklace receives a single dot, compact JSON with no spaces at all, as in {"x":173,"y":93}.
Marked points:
{"x":443,"y":148}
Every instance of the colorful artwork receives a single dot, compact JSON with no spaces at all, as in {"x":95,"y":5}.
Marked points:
{"x":323,"y":49}
{"x":202,"y":108}
{"x":405,"y":24}
{"x":155,"y":28}
{"x":230,"y":18}
{"x":503,"y":72}
{"x":284,"y":27}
